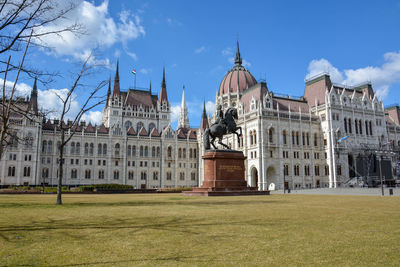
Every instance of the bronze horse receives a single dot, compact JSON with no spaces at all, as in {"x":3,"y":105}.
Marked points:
{"x":225,"y":126}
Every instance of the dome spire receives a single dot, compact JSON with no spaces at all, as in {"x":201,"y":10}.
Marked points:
{"x":238,"y":59}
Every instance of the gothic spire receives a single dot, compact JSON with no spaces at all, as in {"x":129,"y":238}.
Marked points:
{"x":204,"y":120}
{"x":150,"y":88}
{"x":163,"y":92}
{"x":183,"y":118}
{"x":33,"y":102}
{"x":116,"y":90}
{"x":238,"y":59}
{"x":108,"y":91}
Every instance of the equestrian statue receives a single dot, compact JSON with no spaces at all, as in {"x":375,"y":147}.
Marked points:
{"x":223,"y":125}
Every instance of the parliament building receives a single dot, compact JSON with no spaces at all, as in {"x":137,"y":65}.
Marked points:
{"x":332,"y":136}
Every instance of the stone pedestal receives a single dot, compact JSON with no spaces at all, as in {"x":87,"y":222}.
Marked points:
{"x":224,"y":175}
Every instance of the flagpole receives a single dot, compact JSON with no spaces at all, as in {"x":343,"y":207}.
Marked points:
{"x":135,"y":81}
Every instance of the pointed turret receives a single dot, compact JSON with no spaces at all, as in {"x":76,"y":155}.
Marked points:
{"x":163,"y":92}
{"x":33,"y":102}
{"x":150,"y":88}
{"x":183,"y":118}
{"x":108,"y":91}
{"x":116,"y":90}
{"x":238,"y":59}
{"x":204,"y":120}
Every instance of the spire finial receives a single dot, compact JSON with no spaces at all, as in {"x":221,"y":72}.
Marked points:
{"x":34,"y":89}
{"x":238,"y":59}
{"x":150,"y":87}
{"x":163,"y":78}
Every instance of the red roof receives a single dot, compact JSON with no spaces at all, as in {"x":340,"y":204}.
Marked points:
{"x":237,"y":78}
{"x":154,"y":133}
{"x":90,"y":129}
{"x":192,"y":134}
{"x":293,"y":104}
{"x":131,"y":131}
{"x":102,"y":129}
{"x":143,"y":132}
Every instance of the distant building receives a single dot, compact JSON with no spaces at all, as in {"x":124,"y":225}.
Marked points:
{"x":333,"y":136}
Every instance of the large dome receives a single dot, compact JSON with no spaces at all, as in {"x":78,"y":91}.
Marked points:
{"x":237,"y":78}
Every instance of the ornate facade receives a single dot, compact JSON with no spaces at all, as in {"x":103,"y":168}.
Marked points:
{"x":333,"y":136}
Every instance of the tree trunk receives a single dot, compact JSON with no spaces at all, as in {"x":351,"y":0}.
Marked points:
{"x":60,"y":167}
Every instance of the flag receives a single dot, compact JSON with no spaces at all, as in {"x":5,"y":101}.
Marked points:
{"x":343,"y":138}
{"x":134,"y":71}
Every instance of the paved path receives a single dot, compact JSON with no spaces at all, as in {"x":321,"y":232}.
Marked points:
{"x":342,"y":191}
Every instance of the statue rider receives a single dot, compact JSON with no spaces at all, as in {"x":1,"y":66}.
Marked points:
{"x":220,"y":115}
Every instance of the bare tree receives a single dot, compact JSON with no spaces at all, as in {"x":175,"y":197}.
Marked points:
{"x":21,"y":20}
{"x":67,"y":131}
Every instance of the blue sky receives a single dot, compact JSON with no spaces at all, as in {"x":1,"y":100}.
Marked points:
{"x":280,"y":41}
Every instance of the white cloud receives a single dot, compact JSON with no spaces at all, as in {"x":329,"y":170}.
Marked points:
{"x":382,"y":77}
{"x":200,"y":49}
{"x":210,"y":107}
{"x":227,"y":51}
{"x":93,"y":116}
{"x":175,"y":112}
{"x":174,"y":22}
{"x":21,"y":89}
{"x":322,"y":65}
{"x":101,"y":30}
{"x":145,"y":71}
{"x":132,"y":55}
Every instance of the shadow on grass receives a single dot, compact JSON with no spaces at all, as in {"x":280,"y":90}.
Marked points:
{"x":141,"y":203}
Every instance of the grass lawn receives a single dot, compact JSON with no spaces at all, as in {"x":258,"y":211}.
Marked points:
{"x":168,"y":229}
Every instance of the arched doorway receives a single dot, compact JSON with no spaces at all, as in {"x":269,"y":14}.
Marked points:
{"x":254,"y":177}
{"x":271,"y":178}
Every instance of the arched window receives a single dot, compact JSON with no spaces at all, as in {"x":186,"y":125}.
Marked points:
{"x":104,"y":149}
{"x":155,"y":175}
{"x":78,"y":148}
{"x":44,"y":146}
{"x":297,"y":138}
{"x":129,"y":152}
{"x":255,"y":137}
{"x":360,"y":127}
{"x":133,"y":151}
{"x":366,"y":128}
{"x":151,"y":127}
{"x":117,"y":149}
{"x":91,"y":149}
{"x":158,"y":151}
{"x":27,"y":171}
{"x":146,"y":151}
{"x":141,"y":151}
{"x":11,"y":171}
{"x":184,"y":153}
{"x":87,"y":174}
{"x":116,"y":175}
{"x":370,"y":128}
{"x":308,"y":139}
{"x":45,"y":173}
{"x":99,"y":146}
{"x":139,"y":126}
{"x":315,"y":139}
{"x":74,"y":174}
{"x":349,"y":121}
{"x":128,"y":125}
{"x":345,"y":125}
{"x":179,"y":153}
{"x":190,"y":153}
{"x":251,"y":137}
{"x":86,"y":148}
{"x":284,"y":140}
{"x":293,"y":138}
{"x":356,"y":126}
{"x":303,"y":136}
{"x":50,"y":147}
{"x":195,"y":152}
{"x":72,"y":148}
{"x":271,"y":135}
{"x":153,"y":151}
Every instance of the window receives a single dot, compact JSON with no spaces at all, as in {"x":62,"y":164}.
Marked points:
{"x":303,"y":139}
{"x":190,"y":153}
{"x":349,"y":121}
{"x":339,"y":169}
{"x":184,"y":153}
{"x":193,"y":176}
{"x":129,"y":152}
{"x":286,"y":170}
{"x":179,"y":153}
{"x":307,"y":170}
{"x":27,"y":171}
{"x":50,"y":147}
{"x":87,"y":174}
{"x":370,"y":128}
{"x":271,"y":135}
{"x":158,"y":152}
{"x":99,"y":147}
{"x":45,"y":173}
{"x":315,"y":139}
{"x":78,"y":148}
{"x":297,"y":138}
{"x":345,"y":125}
{"x":155,"y":175}
{"x":284,"y":140}
{"x":356,"y":126}
{"x":143,"y":176}
{"x":91,"y":148}
{"x":133,"y":151}
{"x":169,"y":152}
{"x":293,"y":138}
{"x":72,"y":148}
{"x":104,"y":149}
{"x":169,"y":176}
{"x":326,"y":169}
{"x":141,"y":151}
{"x":251,"y":137}
{"x":182,"y":176}
{"x":74,"y":173}
{"x":296,"y":169}
{"x":360,"y":126}
{"x":153,"y":151}
{"x":130,"y":175}
{"x":101,"y":174}
{"x":44,"y":146}
{"x":308,"y":139}
{"x":316,"y":169}
{"x":11,"y":171}
{"x":86,"y":148}
{"x":146,"y":151}
{"x":366,"y":128}
{"x":116,"y":175}
{"x":117,"y":149}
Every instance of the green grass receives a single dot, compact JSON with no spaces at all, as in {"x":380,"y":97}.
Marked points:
{"x":169,"y":229}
